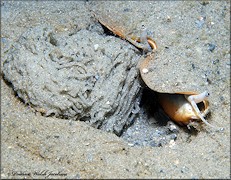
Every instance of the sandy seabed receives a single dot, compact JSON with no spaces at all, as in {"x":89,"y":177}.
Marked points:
{"x":34,"y":146}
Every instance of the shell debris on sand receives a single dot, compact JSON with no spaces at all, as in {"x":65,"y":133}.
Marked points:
{"x":145,"y":70}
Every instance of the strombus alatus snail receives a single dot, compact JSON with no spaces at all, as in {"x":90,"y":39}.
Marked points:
{"x":184,"y":107}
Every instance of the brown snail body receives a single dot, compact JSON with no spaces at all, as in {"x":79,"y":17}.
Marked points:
{"x":179,"y":109}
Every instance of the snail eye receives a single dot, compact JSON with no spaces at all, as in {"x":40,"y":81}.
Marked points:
{"x":189,"y":109}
